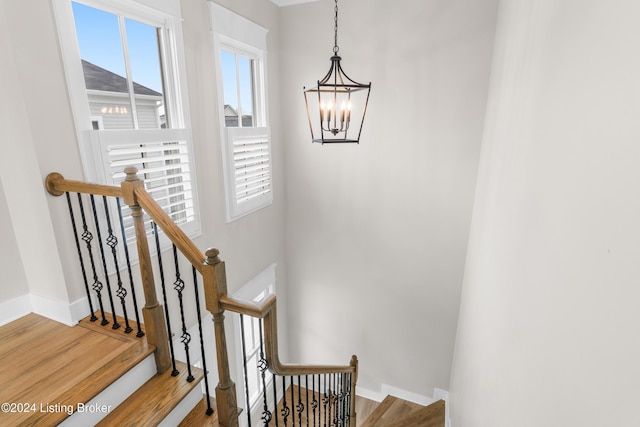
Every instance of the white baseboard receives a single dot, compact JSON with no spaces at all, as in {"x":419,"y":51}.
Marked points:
{"x":14,"y":309}
{"x":60,"y":311}
{"x":439,"y":394}
{"x":52,"y":309}
{"x":386,"y":390}
{"x":79,"y":309}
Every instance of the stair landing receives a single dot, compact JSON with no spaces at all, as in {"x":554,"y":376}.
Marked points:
{"x":395,"y":412}
{"x":49,"y":368}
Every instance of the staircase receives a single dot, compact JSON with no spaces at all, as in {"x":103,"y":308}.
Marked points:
{"x":85,"y":375}
{"x":395,"y":412}
{"x":114,"y":371}
{"x":92,"y":375}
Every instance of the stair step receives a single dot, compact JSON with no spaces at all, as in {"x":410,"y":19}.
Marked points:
{"x":45,"y":362}
{"x":390,"y":409}
{"x":152,"y":402}
{"x":108,"y":328}
{"x":429,"y":416}
{"x":198,"y":416}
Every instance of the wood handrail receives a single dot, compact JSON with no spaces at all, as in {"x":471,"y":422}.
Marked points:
{"x":217,"y":300}
{"x":171,"y":230}
{"x":57,"y":185}
{"x":248,"y":308}
{"x":267,"y":311}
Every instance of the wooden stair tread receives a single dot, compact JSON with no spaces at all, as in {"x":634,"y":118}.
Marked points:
{"x":390,"y":409}
{"x":428,"y":416}
{"x":198,"y":416}
{"x":152,"y":402}
{"x":47,"y":362}
{"x":108,"y":329}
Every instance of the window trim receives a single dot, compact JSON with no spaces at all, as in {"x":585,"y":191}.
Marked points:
{"x":94,"y":159}
{"x":236,"y":34}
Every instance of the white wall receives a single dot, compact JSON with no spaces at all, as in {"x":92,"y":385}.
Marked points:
{"x":253,"y":242}
{"x":377,"y":232}
{"x":14,"y":282}
{"x":248,"y":245}
{"x":548,"y":329}
{"x":32,"y":239}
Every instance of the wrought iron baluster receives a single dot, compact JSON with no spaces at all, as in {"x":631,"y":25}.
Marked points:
{"x":185,"y":338}
{"x":244,"y":367}
{"x":275,"y":398}
{"x":112,"y":242}
{"x":263,"y":365}
{"x":285,"y":409}
{"x":341,"y":399}
{"x":139,"y":334}
{"x":348,"y":400}
{"x":293,"y":418}
{"x":325,"y":400}
{"x":334,"y":400}
{"x":314,"y":402}
{"x":204,"y":358}
{"x":300,"y":405}
{"x":174,"y":371}
{"x":93,"y":317}
{"x":87,"y":237}
{"x":306,"y":387}
{"x":115,"y":325}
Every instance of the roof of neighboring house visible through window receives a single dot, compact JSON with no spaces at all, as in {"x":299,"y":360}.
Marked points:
{"x":97,"y":78}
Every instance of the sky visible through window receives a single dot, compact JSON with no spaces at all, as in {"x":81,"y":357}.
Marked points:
{"x":100,"y":43}
{"x":230,"y":77}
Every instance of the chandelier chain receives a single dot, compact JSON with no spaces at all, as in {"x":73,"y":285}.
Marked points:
{"x":335,"y":29}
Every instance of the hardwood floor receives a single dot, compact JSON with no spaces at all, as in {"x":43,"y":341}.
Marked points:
{"x":199,"y":418}
{"x":395,"y":412}
{"x":42,"y":360}
{"x":152,"y":402}
{"x":364,"y":408}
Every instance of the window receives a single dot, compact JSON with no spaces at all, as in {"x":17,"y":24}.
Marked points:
{"x":125,"y":71}
{"x":240,"y":50}
{"x":248,"y":336}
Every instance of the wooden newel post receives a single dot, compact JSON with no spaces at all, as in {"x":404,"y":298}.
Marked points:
{"x":354,"y":380}
{"x":153,"y":313}
{"x":215,"y":286}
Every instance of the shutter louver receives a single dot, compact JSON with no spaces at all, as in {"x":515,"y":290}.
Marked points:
{"x":247,"y":166}
{"x":251,"y":166}
{"x":164,"y":168}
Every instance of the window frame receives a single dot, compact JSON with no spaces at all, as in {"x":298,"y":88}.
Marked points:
{"x":93,"y":143}
{"x":235,"y":34}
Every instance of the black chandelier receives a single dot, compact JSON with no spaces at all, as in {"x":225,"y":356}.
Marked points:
{"x":338,"y":114}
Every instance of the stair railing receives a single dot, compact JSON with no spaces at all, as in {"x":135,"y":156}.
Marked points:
{"x":334,"y":390}
{"x":157,"y":319}
{"x":296,"y":395}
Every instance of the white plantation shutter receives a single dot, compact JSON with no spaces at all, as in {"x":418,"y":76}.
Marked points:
{"x":248,"y":170}
{"x":162,"y":159}
{"x":252,"y":171}
{"x":157,"y":139}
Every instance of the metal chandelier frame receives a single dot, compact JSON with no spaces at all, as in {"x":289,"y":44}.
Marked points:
{"x":335,"y":94}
